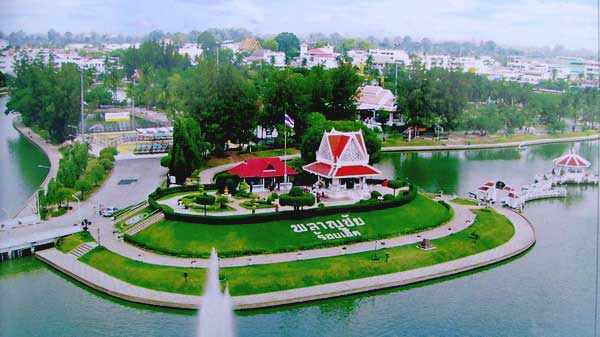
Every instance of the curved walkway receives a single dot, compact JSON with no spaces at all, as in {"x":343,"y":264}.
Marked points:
{"x":463,"y":218}
{"x":523,"y":238}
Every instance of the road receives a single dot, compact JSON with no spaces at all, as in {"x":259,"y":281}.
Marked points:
{"x":147,"y":173}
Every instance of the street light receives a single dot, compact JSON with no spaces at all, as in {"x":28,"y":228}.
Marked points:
{"x":78,"y":205}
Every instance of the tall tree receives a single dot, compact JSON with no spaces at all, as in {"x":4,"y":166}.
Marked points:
{"x":344,"y":81}
{"x":189,"y":148}
{"x":288,"y":43}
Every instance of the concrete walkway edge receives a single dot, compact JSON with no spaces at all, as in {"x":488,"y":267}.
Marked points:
{"x":523,"y":239}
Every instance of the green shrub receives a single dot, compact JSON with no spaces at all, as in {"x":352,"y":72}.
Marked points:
{"x":388,"y":197}
{"x":110,"y":150}
{"x":229,"y":180}
{"x":106,"y":164}
{"x":375,"y":194}
{"x":165,"y":161}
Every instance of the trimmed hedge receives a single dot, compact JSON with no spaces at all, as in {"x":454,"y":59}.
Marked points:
{"x":361,"y":206}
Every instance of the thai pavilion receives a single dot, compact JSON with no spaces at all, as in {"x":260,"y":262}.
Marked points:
{"x":342,"y":165}
{"x":572,"y":168}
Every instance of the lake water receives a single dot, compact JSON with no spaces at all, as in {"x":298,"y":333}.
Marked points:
{"x":549,"y":291}
{"x":20,"y":175}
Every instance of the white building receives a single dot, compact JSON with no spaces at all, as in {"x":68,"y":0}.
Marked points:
{"x":372,"y":98}
{"x":3,"y":44}
{"x":323,"y":56}
{"x":275,"y":58}
{"x":192,"y":50}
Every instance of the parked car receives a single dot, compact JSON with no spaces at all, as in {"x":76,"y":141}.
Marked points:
{"x":108,"y":211}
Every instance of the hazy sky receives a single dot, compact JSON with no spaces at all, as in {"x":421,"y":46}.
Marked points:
{"x":571,"y":23}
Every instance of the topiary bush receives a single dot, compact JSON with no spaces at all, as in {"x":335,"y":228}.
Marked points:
{"x":375,"y":195}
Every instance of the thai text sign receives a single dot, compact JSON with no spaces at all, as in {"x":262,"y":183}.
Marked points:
{"x":345,"y":227}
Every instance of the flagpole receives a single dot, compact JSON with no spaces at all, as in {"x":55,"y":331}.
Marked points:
{"x":284,"y":154}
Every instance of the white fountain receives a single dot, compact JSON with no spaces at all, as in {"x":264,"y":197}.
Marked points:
{"x":216,"y":313}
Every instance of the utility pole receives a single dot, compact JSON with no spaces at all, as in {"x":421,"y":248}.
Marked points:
{"x":218,"y":47}
{"x":81,"y":87}
{"x":396,"y":86}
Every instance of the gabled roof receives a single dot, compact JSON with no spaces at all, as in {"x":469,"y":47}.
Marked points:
{"x":343,"y":147}
{"x":262,"y":168}
{"x":342,"y":155}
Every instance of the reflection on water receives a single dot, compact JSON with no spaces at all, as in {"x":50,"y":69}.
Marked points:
{"x":547,"y":292}
{"x":20,"y":175}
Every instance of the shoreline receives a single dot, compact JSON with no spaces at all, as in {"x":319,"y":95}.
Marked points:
{"x":488,"y":146}
{"x":50,"y":151}
{"x":522,"y":240}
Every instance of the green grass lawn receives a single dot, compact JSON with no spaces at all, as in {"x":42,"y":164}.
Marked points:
{"x":72,"y":241}
{"x":520,"y":138}
{"x":493,"y":230}
{"x":197,"y":240}
{"x":466,"y":202}
{"x":399,"y":141}
{"x":122,"y":225}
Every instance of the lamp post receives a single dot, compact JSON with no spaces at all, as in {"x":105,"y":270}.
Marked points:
{"x":78,"y":205}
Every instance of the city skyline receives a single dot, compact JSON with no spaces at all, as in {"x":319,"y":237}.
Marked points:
{"x":522,"y":23}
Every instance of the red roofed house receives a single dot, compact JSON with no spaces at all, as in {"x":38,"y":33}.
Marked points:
{"x":263,"y":173}
{"x":342,"y":164}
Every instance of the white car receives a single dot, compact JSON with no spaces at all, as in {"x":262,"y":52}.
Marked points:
{"x":109,"y":211}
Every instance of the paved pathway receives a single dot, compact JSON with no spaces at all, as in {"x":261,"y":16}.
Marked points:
{"x":463,"y":218}
{"x":149,"y":175}
{"x":523,"y":238}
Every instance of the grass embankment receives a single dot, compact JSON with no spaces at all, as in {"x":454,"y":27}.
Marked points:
{"x":466,"y":202}
{"x":73,"y":241}
{"x":521,"y":138}
{"x":400,"y":141}
{"x":197,"y":240}
{"x":488,"y":139}
{"x":492,"y":230}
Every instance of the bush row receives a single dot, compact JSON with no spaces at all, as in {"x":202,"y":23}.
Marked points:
{"x":362,"y":206}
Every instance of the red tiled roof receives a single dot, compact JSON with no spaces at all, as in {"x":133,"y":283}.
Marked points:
{"x":318,"y":168}
{"x":337,"y":144}
{"x":356,"y":170}
{"x":262,"y":168}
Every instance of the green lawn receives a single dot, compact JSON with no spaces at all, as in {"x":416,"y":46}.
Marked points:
{"x":493,"y":230}
{"x":72,"y":241}
{"x":399,"y":141}
{"x":520,"y":138}
{"x":197,"y":240}
{"x":466,"y":202}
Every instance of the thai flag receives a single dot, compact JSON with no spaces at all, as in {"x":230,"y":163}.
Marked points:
{"x":289,"y":122}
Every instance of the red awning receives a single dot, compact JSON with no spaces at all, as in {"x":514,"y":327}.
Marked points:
{"x":262,"y":168}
